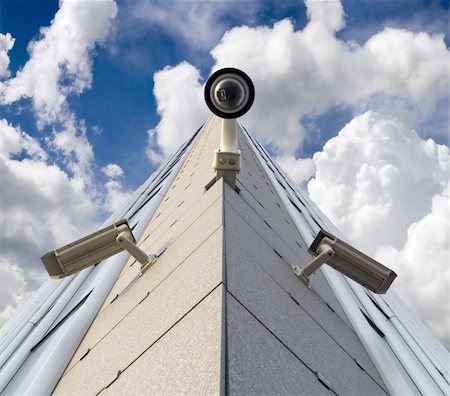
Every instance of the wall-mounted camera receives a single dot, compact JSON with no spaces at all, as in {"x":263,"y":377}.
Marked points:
{"x":93,"y":248}
{"x":229,"y":93}
{"x":347,"y":260}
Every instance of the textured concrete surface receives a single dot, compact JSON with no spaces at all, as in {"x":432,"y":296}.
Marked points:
{"x":147,"y":321}
{"x":259,"y":364}
{"x":299,"y":331}
{"x":181,"y":251}
{"x":261,"y":247}
{"x":289,"y":252}
{"x":245,"y":243}
{"x":184,"y":361}
{"x":129,"y":289}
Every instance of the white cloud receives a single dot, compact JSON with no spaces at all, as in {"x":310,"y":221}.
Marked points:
{"x":14,"y":141}
{"x":112,"y":170}
{"x":385,"y":188}
{"x":180,"y":105}
{"x":42,"y":205}
{"x":60,"y":61}
{"x":60,"y":65}
{"x":300,"y":169}
{"x":329,"y":14}
{"x":306,"y":72}
{"x":376,"y":177}
{"x":6,"y":43}
{"x":13,"y":291}
{"x":189,"y":20}
{"x":298,"y":73}
{"x":423,"y":266}
{"x":70,"y":140}
{"x":45,"y":205}
{"x":115,"y":195}
{"x":413,"y":66}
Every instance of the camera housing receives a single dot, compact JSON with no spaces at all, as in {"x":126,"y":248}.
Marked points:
{"x":94,"y":248}
{"x":229,"y":93}
{"x":348,"y":261}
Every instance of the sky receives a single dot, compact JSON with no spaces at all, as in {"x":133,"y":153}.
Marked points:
{"x":352,"y":100}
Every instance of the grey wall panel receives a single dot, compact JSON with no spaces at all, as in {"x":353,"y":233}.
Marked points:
{"x":289,"y":254}
{"x":295,"y":325}
{"x":258,"y":242}
{"x":240,"y":237}
{"x":259,"y":364}
{"x":281,"y":239}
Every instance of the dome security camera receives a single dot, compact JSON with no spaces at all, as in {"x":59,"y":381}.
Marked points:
{"x":229,"y":93}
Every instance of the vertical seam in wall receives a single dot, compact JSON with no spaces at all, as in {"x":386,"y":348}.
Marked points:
{"x":224,"y":377}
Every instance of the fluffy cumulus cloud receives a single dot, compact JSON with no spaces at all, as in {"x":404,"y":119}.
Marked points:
{"x":112,"y":170}
{"x":306,"y":72}
{"x":13,"y":291}
{"x":376,"y":177}
{"x":42,"y":205}
{"x":189,"y":20}
{"x":423,"y":263}
{"x":300,"y":169}
{"x":52,"y":195}
{"x":116,"y":196}
{"x":60,"y":65}
{"x":330,"y":14}
{"x":179,"y":94}
{"x":60,"y":60}
{"x":386,"y":188}
{"x":6,"y":43}
{"x":69,"y":140}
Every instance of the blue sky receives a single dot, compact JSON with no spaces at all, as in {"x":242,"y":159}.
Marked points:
{"x":372,"y":72}
{"x":121,"y":102}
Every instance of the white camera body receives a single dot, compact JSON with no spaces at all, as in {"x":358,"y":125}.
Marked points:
{"x":92,"y":249}
{"x":347,"y":260}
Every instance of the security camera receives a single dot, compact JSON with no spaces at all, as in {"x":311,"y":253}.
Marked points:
{"x":94,"y":248}
{"x":347,"y":260}
{"x":229,"y":93}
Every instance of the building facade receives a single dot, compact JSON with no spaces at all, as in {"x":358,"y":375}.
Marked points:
{"x":221,"y":311}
